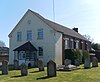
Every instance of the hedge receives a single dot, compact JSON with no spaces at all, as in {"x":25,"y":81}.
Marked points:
{"x":75,"y":54}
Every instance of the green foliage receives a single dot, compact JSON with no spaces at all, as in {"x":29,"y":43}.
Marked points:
{"x":78,"y":55}
{"x":95,"y":46}
{"x":69,"y":54}
{"x":73,"y":55}
{"x":85,"y":54}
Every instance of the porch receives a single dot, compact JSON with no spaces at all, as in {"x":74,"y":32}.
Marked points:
{"x":25,"y":53}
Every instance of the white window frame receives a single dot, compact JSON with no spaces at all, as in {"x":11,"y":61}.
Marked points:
{"x":66,"y":43}
{"x":72,"y":44}
{"x":77,"y":44}
{"x":19,"y":36}
{"x":40,"y":34}
{"x":29,"y":35}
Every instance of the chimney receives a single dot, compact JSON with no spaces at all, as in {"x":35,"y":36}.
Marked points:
{"x":75,"y":29}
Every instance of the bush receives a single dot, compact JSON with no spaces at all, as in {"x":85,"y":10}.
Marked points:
{"x":78,"y":55}
{"x":73,"y":54}
{"x":69,"y":54}
{"x":85,"y":54}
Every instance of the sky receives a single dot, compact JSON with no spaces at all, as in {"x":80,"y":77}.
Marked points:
{"x":82,"y":14}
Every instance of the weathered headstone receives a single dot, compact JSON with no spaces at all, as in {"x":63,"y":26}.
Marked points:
{"x":4,"y":67}
{"x":94,"y":62}
{"x":16,"y":64}
{"x":24,"y":69}
{"x":77,"y":63}
{"x":40,"y":65}
{"x":67,"y":62}
{"x":51,"y":69}
{"x":87,"y":63}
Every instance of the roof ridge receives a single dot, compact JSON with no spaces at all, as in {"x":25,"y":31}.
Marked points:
{"x":61,"y":27}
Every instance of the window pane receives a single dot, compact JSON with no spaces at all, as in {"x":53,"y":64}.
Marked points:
{"x":71,"y":44}
{"x":29,"y":35}
{"x":40,"y":33}
{"x":66,"y":44}
{"x":19,"y":36}
{"x":40,"y":51}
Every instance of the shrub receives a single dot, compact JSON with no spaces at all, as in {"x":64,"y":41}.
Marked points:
{"x":69,"y":54}
{"x":73,"y":54}
{"x":85,"y":54}
{"x":78,"y":55}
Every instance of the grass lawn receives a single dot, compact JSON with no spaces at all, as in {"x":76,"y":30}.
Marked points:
{"x":81,"y":75}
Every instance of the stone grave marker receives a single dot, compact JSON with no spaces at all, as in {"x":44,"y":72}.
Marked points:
{"x":77,"y":63}
{"x":67,"y":62}
{"x":51,"y":69}
{"x":40,"y":65}
{"x":16,"y":64}
{"x":87,"y":63}
{"x":4,"y":67}
{"x":24,"y":69}
{"x":94,"y":62}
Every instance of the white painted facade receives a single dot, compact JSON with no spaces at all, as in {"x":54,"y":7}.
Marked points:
{"x":51,"y":42}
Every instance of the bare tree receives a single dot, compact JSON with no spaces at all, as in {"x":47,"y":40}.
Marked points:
{"x":2,"y":44}
{"x":88,"y":37}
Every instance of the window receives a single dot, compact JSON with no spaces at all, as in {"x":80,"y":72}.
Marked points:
{"x":72,"y":44}
{"x":19,"y":36}
{"x":66,"y":43}
{"x":77,"y":44}
{"x":40,"y":33}
{"x":40,"y":51}
{"x":29,"y":35}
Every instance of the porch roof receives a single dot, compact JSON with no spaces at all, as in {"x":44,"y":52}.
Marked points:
{"x":26,"y":47}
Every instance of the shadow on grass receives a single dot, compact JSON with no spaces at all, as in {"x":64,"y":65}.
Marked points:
{"x":45,"y":77}
{"x":16,"y":76}
{"x":36,"y":71}
{"x":3,"y":74}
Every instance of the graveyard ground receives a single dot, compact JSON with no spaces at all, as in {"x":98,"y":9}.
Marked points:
{"x":80,"y":75}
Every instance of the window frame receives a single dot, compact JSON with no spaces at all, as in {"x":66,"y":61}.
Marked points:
{"x":40,"y":51}
{"x":29,"y":35}
{"x":19,"y":36}
{"x":40,"y":34}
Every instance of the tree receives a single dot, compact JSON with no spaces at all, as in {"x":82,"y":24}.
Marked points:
{"x":95,"y":46}
{"x":2,"y":44}
{"x":88,"y":37}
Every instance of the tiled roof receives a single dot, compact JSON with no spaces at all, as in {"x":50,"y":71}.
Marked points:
{"x":4,"y":49}
{"x":60,"y":28}
{"x":26,"y":47}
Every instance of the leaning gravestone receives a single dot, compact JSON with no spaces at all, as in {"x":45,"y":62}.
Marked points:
{"x":4,"y":67}
{"x":24,"y":69}
{"x":94,"y":62}
{"x":51,"y":69}
{"x":87,"y":63}
{"x":40,"y":65}
{"x":67,"y":62}
{"x":16,"y":64}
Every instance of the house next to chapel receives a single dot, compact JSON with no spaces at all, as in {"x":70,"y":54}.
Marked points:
{"x":36,"y":38}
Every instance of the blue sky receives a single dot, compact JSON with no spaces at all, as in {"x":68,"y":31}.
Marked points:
{"x":83,"y":14}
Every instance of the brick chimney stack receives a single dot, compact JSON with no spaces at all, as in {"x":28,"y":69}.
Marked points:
{"x":75,"y":29}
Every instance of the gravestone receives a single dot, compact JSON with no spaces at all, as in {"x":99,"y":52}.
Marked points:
{"x":94,"y":62}
{"x":77,"y":63}
{"x":87,"y":63}
{"x":24,"y":69}
{"x":16,"y":64}
{"x":51,"y":69}
{"x":4,"y":67}
{"x":40,"y":65}
{"x":67,"y":62}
